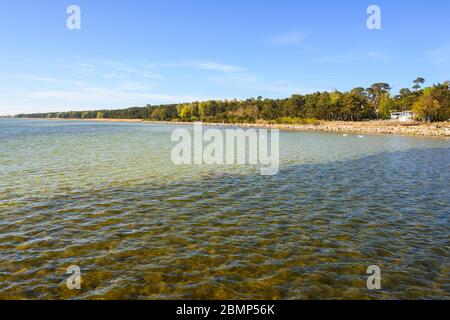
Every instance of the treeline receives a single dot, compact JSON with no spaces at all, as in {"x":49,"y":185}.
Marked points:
{"x":376,"y":102}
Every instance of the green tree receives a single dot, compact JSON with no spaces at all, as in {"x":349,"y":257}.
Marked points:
{"x":386,"y":106}
{"x":376,"y":91}
{"x":159,"y":114}
{"x":405,"y":100}
{"x":418,"y":83}
{"x":434,"y":104}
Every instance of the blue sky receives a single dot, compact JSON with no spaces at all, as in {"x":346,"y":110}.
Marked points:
{"x":132,"y":53}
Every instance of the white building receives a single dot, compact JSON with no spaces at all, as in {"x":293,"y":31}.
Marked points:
{"x":402,"y":116}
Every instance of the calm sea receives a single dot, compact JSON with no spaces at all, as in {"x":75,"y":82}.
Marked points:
{"x":107,"y":198}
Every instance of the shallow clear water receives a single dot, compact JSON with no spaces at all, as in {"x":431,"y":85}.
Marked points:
{"x":106,"y":197}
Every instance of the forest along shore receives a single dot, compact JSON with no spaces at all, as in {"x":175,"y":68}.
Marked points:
{"x":441,"y":129}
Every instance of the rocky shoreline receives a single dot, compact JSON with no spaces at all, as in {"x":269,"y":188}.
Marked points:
{"x":369,"y":127}
{"x":366,"y":127}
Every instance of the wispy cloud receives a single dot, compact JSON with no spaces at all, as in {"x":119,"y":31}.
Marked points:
{"x":43,"y":79}
{"x":100,"y":84}
{"x":349,"y":57}
{"x":110,"y":69}
{"x":338,"y":58}
{"x":204,"y":65}
{"x":378,"y":55}
{"x":137,"y":86}
{"x":291,"y":38}
{"x":214,"y":66}
{"x":79,"y":68}
{"x":260,"y":84}
{"x":101,"y":97}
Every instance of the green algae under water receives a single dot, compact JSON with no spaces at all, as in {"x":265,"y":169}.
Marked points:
{"x":106,"y":197}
